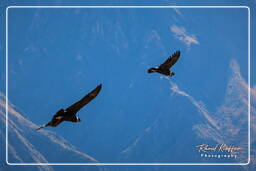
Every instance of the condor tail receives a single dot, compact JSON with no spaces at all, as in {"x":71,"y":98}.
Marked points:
{"x":43,"y":126}
{"x":152,"y":70}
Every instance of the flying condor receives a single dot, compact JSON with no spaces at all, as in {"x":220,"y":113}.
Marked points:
{"x":69,"y":114}
{"x":165,"y":67}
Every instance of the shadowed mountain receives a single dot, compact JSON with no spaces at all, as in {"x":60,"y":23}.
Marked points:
{"x":173,"y":135}
{"x":25,"y":145}
{"x":232,"y":116}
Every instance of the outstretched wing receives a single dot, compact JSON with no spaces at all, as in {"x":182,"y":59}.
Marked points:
{"x":170,"y":61}
{"x":73,"y":109}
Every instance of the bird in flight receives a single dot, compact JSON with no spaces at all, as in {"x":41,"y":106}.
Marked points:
{"x":165,"y":67}
{"x":69,"y":114}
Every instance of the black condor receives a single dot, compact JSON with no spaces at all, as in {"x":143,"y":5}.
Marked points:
{"x":69,"y":114}
{"x":165,"y":67}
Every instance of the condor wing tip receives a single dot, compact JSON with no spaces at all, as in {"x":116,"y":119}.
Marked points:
{"x":40,"y":127}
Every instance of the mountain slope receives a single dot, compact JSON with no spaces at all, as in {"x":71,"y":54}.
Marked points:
{"x":172,"y":137}
{"x":232,"y":116}
{"x":26,"y":145}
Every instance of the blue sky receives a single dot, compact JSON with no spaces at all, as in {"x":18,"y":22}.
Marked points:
{"x":56,"y":56}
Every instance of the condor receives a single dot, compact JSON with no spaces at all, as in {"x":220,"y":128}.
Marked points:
{"x":69,"y":114}
{"x":165,"y":67}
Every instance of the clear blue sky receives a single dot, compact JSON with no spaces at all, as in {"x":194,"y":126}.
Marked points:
{"x":56,"y":56}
